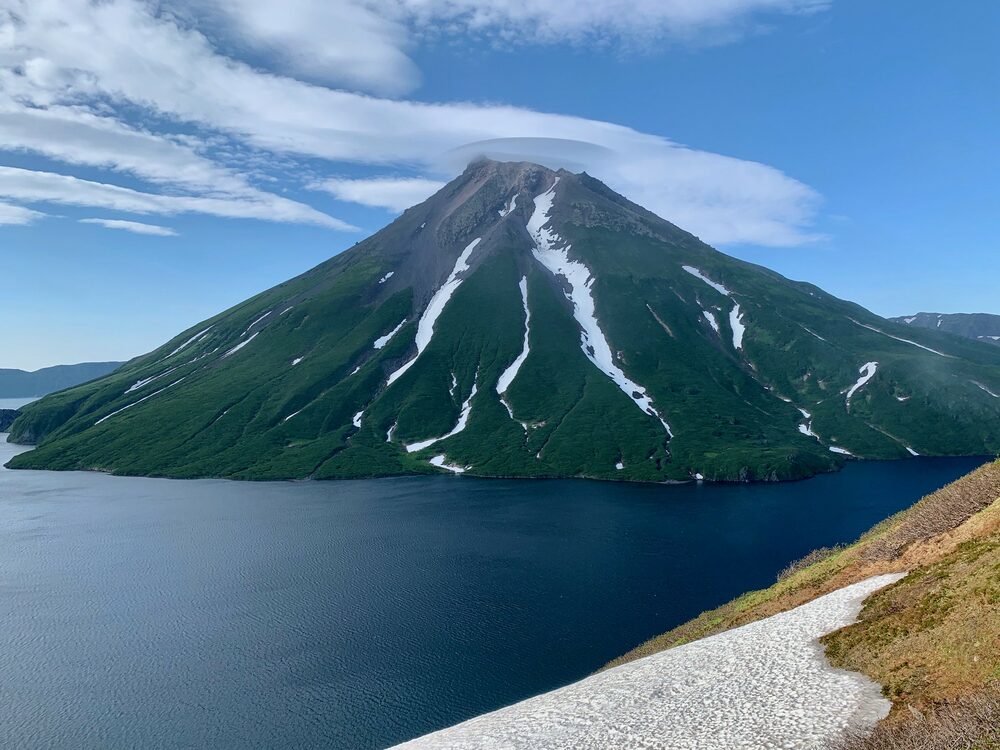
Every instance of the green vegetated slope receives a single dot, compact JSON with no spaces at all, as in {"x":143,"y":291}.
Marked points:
{"x":750,"y":371}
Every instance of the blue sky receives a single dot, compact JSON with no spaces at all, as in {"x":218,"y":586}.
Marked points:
{"x":160,"y":162}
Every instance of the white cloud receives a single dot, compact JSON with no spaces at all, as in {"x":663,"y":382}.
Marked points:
{"x":329,"y":41}
{"x":32,"y":186}
{"x":58,"y":54}
{"x":363,"y":44}
{"x":393,"y":193}
{"x":17,"y":215}
{"x":132,"y":226}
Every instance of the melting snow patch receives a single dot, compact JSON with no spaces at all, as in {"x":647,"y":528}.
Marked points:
{"x":763,"y":685}
{"x":902,"y":398}
{"x":294,"y":414}
{"x":240,"y":345}
{"x":381,"y":341}
{"x":736,"y":323}
{"x":809,"y":330}
{"x":710,"y":317}
{"x":357,"y":418}
{"x":716,"y":286}
{"x":389,"y":275}
{"x":905,"y":341}
{"x":509,"y":207}
{"x":595,"y":346}
{"x":806,"y":427}
{"x":842,"y":451}
{"x":146,"y":381}
{"x":439,"y":461}
{"x":463,"y":420}
{"x":197,"y":337}
{"x":911,"y":451}
{"x":735,"y":317}
{"x":909,"y":320}
{"x":425,"y":328}
{"x":297,"y":360}
{"x":250,"y":327}
{"x":287,"y":309}
{"x":983,"y":387}
{"x":867,"y":371}
{"x":388,"y":435}
{"x":508,"y":375}
{"x":619,"y":466}
{"x":136,"y":403}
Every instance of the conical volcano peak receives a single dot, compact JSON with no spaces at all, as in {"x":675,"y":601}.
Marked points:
{"x":526,"y":322}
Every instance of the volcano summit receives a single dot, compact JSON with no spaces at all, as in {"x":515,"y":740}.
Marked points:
{"x":529,"y":323}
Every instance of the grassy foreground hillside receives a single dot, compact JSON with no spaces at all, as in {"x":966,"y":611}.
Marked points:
{"x":932,"y":640}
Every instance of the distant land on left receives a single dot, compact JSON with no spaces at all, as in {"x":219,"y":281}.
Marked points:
{"x":24,"y":384}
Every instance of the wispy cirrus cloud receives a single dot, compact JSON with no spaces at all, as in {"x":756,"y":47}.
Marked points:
{"x":392,"y":193}
{"x":34,"y":186}
{"x":542,"y":21}
{"x":74,"y":82}
{"x":136,"y":227}
{"x":11,"y":215}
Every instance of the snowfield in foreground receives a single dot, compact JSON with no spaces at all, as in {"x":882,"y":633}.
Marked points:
{"x":764,"y":685}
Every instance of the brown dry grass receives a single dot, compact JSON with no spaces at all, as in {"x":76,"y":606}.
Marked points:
{"x":971,"y":723}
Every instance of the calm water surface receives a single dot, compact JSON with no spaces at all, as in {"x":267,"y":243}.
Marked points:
{"x":164,"y":614}
{"x":17,"y":403}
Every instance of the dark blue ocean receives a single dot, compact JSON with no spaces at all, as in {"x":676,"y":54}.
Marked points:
{"x":210,"y":614}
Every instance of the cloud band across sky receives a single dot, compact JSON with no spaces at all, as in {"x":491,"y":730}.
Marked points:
{"x":161,"y":96}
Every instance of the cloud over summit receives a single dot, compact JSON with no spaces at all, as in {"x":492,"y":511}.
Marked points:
{"x":162,"y":99}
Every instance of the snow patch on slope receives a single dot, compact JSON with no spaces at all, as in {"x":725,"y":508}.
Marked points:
{"x":809,"y":330}
{"x":463,"y":420}
{"x":240,"y":345}
{"x":387,"y":277}
{"x":441,"y":463}
{"x":592,"y":340}
{"x":508,"y":375}
{"x":425,"y":328}
{"x":735,"y":316}
{"x":867,"y":372}
{"x":250,"y":327}
{"x":806,"y":427}
{"x":897,"y":338}
{"x":357,"y":418}
{"x":509,"y":207}
{"x":736,"y":323}
{"x":136,"y":403}
{"x":715,"y":285}
{"x":763,"y":685}
{"x":146,"y":381}
{"x":842,"y":451}
{"x":197,"y":337}
{"x":381,"y":341}
{"x":710,"y":317}
{"x":983,"y":387}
